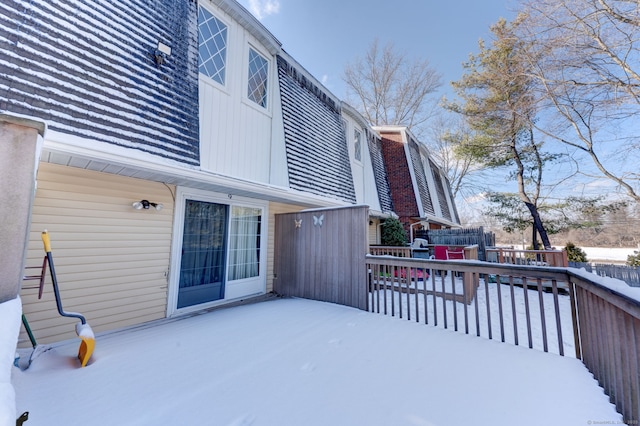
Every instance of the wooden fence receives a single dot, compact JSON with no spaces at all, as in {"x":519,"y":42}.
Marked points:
{"x":313,"y":258}
{"x":572,"y":313}
{"x":460,"y":237}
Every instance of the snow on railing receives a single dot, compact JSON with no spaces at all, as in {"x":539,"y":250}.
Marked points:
{"x":553,"y":309}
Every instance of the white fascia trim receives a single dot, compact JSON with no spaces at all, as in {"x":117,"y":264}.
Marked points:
{"x":439,"y":220}
{"x":250,"y":23}
{"x":139,"y":160}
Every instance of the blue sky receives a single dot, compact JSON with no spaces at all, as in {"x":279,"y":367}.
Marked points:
{"x":324,"y":36}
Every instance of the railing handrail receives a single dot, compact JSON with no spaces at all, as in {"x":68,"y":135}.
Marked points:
{"x":479,"y":266}
{"x":605,"y":318}
{"x":590,"y":282}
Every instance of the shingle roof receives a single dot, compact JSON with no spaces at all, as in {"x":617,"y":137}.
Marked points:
{"x":87,"y":68}
{"x":317,"y":156}
{"x":379,"y":172}
{"x":421,"y":179}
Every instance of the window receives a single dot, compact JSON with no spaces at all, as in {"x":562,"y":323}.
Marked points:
{"x":212,"y":46}
{"x":258,"y":76}
{"x":244,"y":242}
{"x":357,"y":145}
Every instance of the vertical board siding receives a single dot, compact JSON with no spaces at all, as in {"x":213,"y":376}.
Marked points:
{"x":323,"y":258}
{"x":88,"y":69}
{"x":275,"y":209}
{"x":111,"y":260}
{"x":317,"y":155}
{"x":235,"y":133}
{"x":609,"y":323}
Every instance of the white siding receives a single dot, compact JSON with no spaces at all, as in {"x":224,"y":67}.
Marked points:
{"x":363,"y":179}
{"x":111,"y":260}
{"x":235,"y":133}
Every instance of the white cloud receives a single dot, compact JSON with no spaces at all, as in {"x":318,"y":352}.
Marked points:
{"x":324,"y":79}
{"x":262,"y":8}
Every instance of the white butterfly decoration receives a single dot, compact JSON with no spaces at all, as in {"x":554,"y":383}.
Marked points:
{"x":298,"y":223}
{"x":318,"y":220}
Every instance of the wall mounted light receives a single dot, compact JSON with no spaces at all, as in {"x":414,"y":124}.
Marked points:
{"x":161,"y":53}
{"x":146,"y":204}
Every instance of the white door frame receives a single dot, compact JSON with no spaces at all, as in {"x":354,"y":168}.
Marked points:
{"x":235,"y":289}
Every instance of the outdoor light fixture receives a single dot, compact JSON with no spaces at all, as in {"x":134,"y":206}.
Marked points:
{"x":145,"y":204}
{"x":162,"y":53}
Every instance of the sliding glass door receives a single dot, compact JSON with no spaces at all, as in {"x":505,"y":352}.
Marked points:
{"x":204,"y":248}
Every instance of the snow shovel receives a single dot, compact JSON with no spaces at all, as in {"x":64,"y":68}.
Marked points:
{"x":24,"y":362}
{"x":83,"y":330}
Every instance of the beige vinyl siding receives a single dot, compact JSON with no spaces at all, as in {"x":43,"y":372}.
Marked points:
{"x":374,"y":231}
{"x":274,"y":209}
{"x":111,"y":260}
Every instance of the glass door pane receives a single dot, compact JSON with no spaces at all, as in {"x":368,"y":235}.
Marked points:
{"x":202,"y":269}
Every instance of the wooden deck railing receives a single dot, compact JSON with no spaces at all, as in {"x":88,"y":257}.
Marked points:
{"x":553,"y":309}
{"x":390,"y":251}
{"x":528,"y":257}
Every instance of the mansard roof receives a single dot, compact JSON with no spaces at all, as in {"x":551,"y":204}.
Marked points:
{"x":317,"y":156}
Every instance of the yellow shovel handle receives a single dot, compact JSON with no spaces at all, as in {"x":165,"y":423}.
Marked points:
{"x":46,"y":241}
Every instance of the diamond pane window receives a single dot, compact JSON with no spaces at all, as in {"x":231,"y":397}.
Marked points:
{"x":357,"y":145}
{"x":212,"y":46}
{"x":257,"y":83}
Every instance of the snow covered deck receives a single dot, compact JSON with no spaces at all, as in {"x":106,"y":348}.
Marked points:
{"x":301,"y":362}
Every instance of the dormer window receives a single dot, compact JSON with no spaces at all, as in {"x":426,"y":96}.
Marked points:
{"x":212,"y":46}
{"x":258,"y":78}
{"x":357,"y":145}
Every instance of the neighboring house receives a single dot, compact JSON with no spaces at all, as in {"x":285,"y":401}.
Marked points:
{"x":420,"y":190}
{"x":369,"y":174}
{"x":193,"y":107}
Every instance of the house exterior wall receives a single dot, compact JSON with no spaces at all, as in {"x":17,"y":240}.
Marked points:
{"x":111,"y":260}
{"x":362,"y":169}
{"x":400,"y":183}
{"x":274,"y":210}
{"x":236,"y":135}
{"x":87,"y":68}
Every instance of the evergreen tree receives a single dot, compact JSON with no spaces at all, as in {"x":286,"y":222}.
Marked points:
{"x":393,"y":233}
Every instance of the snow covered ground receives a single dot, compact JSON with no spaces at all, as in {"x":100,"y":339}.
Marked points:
{"x":608,"y":254}
{"x":301,"y":362}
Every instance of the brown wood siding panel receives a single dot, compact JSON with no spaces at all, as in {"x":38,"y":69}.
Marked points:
{"x":323,"y":261}
{"x":111,"y":260}
{"x":274,"y":209}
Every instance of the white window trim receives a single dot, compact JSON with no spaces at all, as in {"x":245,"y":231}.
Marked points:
{"x":361,"y":133}
{"x":271,"y":79}
{"x":183,"y":194}
{"x":205,"y":78}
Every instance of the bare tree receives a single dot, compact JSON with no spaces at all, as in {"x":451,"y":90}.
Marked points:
{"x":588,"y":65}
{"x":447,"y":134}
{"x":387,"y":88}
